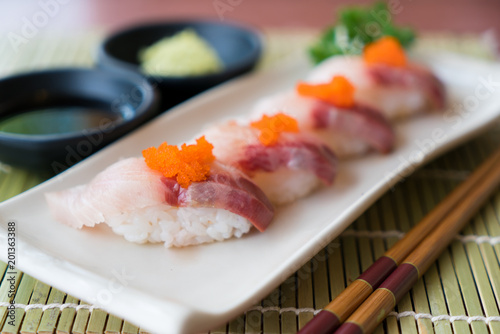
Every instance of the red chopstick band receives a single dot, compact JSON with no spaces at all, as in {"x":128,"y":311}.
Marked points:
{"x":324,"y":322}
{"x":350,"y":328}
{"x":379,"y":271}
{"x":401,"y":280}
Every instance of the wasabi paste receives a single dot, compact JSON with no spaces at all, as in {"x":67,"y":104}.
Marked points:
{"x":183,"y":54}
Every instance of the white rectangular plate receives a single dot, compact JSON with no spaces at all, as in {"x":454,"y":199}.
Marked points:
{"x":197,"y":288}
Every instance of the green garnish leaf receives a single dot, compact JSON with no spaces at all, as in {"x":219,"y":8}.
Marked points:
{"x":356,"y":27}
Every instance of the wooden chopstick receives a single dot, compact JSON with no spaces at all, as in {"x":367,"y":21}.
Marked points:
{"x":335,"y":313}
{"x":378,"y":305}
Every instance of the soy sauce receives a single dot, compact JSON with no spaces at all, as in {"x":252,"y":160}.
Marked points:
{"x":58,"y":120}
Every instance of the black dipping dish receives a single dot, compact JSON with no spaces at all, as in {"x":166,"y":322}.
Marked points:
{"x":50,"y":120}
{"x":238,"y":47}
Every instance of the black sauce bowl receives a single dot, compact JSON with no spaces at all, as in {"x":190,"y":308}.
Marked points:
{"x":238,"y":47}
{"x":127,"y":98}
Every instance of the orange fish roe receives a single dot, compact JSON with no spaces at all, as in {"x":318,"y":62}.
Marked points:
{"x":190,"y":163}
{"x":339,"y":91}
{"x":386,"y":50}
{"x":271,"y":127}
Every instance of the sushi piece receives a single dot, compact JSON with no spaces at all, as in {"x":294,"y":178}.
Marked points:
{"x":285,"y":163}
{"x":385,"y":79}
{"x":348,"y":128}
{"x":175,"y":196}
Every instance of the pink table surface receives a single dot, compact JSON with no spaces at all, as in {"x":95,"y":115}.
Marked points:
{"x":69,"y":15}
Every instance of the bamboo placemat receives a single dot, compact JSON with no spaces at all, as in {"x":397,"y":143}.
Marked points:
{"x":459,"y":294}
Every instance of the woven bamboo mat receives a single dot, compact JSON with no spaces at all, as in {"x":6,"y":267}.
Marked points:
{"x":459,"y":294}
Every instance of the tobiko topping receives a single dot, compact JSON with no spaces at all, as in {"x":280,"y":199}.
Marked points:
{"x":190,"y":163}
{"x":271,"y":127}
{"x":387,"y":51}
{"x":339,"y":91}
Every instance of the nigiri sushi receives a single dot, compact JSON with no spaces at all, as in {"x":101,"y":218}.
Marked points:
{"x":285,"y":163}
{"x":348,"y":128}
{"x":175,"y":196}
{"x":385,"y":79}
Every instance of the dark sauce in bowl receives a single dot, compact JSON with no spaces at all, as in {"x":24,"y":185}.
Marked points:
{"x":58,"y":120}
{"x":50,"y":120}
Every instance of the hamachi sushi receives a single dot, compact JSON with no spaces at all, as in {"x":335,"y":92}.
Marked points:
{"x":284,"y":162}
{"x":385,"y":79}
{"x":348,"y":128}
{"x":206,"y":201}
